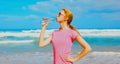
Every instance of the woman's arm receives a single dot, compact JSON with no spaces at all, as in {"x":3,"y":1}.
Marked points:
{"x":86,"y":48}
{"x":42,"y":42}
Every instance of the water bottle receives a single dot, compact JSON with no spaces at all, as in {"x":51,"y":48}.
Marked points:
{"x":45,"y":20}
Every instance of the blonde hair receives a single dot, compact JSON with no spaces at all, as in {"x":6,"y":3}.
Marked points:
{"x":69,"y":15}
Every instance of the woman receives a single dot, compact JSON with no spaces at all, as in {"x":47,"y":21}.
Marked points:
{"x":63,"y":38}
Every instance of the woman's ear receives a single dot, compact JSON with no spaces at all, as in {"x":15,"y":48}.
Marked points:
{"x":66,"y":18}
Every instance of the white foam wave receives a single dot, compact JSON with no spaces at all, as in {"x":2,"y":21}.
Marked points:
{"x":18,"y":34}
{"x":31,"y":33}
{"x":84,"y":32}
{"x":103,"y":32}
{"x":105,"y":53}
{"x":16,"y":41}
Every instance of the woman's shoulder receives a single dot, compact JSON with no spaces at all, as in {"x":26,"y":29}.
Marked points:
{"x":55,"y":30}
{"x":72,"y":31}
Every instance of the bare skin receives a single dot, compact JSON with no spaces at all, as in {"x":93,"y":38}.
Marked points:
{"x":63,"y":24}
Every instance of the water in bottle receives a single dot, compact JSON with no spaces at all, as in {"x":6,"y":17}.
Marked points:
{"x":45,"y":20}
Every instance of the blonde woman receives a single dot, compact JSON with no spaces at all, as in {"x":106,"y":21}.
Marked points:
{"x":62,"y":39}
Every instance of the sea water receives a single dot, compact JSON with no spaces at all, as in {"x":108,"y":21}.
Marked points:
{"x":21,"y":47}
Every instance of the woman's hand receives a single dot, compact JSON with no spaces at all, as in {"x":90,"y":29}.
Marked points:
{"x":69,"y":59}
{"x":45,"y":22}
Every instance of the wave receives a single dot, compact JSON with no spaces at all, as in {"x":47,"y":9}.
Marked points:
{"x":31,"y":33}
{"x":16,"y":41}
{"x":92,"y":53}
{"x":105,"y":53}
{"x":99,"y":33}
{"x":83,"y":32}
{"x":20,"y":34}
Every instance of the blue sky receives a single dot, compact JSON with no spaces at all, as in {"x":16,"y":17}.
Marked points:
{"x":88,"y":14}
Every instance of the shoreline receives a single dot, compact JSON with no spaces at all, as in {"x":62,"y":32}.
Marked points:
{"x":47,"y":58}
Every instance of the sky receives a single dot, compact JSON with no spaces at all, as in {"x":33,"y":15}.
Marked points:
{"x":88,"y":14}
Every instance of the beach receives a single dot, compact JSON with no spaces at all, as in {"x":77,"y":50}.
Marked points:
{"x":46,"y":58}
{"x":21,"y":47}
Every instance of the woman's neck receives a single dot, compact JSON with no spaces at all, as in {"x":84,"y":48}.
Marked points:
{"x":63,"y":26}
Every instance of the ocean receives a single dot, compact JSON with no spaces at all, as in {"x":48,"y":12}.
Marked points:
{"x":21,"y":47}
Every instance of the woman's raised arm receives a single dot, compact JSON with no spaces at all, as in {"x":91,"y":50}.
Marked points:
{"x":42,"y":42}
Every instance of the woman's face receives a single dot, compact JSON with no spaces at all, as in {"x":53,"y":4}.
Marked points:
{"x":61,"y":16}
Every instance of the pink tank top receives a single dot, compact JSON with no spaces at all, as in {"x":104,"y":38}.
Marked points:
{"x":62,"y":41}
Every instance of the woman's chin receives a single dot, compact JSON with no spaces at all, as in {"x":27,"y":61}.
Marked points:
{"x":57,"y":20}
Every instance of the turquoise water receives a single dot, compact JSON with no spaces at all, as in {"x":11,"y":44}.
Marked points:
{"x":97,"y":44}
{"x":103,"y":43}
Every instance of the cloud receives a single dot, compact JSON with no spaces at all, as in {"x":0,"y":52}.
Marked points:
{"x":105,"y":4}
{"x":105,"y":8}
{"x":34,"y":7}
{"x":10,"y":17}
{"x":111,"y":16}
{"x":60,"y":1}
{"x":18,"y":18}
{"x":31,"y":17}
{"x":86,"y":5}
{"x":104,"y":16}
{"x":83,"y":10}
{"x":40,"y":6}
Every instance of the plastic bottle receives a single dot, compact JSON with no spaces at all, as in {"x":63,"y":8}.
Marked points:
{"x":44,"y":20}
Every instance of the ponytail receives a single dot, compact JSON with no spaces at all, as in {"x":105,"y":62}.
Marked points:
{"x":73,"y":28}
{"x":69,"y":15}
